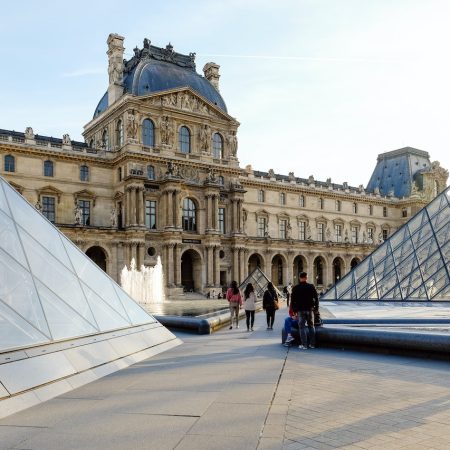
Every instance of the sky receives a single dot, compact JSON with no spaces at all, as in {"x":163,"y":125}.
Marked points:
{"x":320,"y":87}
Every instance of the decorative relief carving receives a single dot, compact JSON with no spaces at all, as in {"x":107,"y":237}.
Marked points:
{"x":132,"y":125}
{"x":205,"y":138}
{"x":166,"y":130}
{"x":232,"y":142}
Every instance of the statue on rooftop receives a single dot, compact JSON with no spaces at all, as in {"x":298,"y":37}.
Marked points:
{"x":66,"y":139}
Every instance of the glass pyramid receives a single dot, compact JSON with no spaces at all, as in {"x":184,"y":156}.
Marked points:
{"x":49,"y":289}
{"x":412,"y":265}
{"x":259,"y":281}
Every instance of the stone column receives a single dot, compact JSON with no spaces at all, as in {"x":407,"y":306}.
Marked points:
{"x":113,"y":263}
{"x":241,"y":265}
{"x":239,"y":216}
{"x":285,"y":274}
{"x":208,"y":212}
{"x":128,"y":207}
{"x":176,"y":208}
{"x":133,"y":208}
{"x":235,"y":269}
{"x":178,"y":265}
{"x":216,"y":212}
{"x":170,"y":267}
{"x":141,"y":253}
{"x":217,"y":266}
{"x":141,"y":206}
{"x":169,"y":210}
{"x":210,"y":266}
{"x":133,"y":252}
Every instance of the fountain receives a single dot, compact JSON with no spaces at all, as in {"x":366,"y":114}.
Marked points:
{"x":145,"y":285}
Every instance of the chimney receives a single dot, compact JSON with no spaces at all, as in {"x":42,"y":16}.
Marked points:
{"x":115,"y":67}
{"x":211,"y":71}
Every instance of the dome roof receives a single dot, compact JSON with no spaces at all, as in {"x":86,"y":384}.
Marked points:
{"x":154,"y":69}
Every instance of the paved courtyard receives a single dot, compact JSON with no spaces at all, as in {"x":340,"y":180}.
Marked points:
{"x":239,"y":390}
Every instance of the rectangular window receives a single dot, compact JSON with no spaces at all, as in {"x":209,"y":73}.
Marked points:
{"x":301,"y":201}
{"x":85,"y":206}
{"x":261,"y":196}
{"x":338,"y":205}
{"x":48,"y":208}
{"x":262,"y":226}
{"x":302,"y":230}
{"x":355,"y":208}
{"x":404,"y":212}
{"x":370,"y":210}
{"x":385,"y":234}
{"x":354,"y":231}
{"x":150,"y":214}
{"x":320,"y":203}
{"x":283,"y":227}
{"x":282,"y":198}
{"x":222,"y":220}
{"x":338,"y":233}
{"x":320,"y":234}
{"x":385,"y":213}
{"x":370,"y":234}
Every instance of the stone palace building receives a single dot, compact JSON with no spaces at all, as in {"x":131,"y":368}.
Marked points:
{"x":158,"y":174}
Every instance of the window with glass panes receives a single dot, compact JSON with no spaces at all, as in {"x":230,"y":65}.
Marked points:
{"x":282,"y":198}
{"x":48,"y":168}
{"x":320,"y":232}
{"x":370,"y":210}
{"x":370,"y":234}
{"x":217,"y":146}
{"x":260,"y":196}
{"x":48,"y":208}
{"x":150,"y":172}
{"x":184,"y":138}
{"x":302,"y":230}
{"x":262,"y":225}
{"x":85,"y":206}
{"x":385,"y":213}
{"x":338,"y":205}
{"x":10,"y":163}
{"x":301,"y":201}
{"x":338,"y":232}
{"x":150,"y":214}
{"x":354,"y":233}
{"x":355,"y":208}
{"x":222,"y":220}
{"x":119,"y":133}
{"x":148,"y":133}
{"x":283,"y":227}
{"x":320,"y":203}
{"x":84,"y":173}
{"x":189,"y":215}
{"x":385,"y":234}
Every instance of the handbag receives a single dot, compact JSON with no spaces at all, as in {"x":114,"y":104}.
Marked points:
{"x":275,"y":302}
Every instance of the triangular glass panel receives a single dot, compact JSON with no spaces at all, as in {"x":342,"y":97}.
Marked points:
{"x":344,"y":284}
{"x":399,"y":238}
{"x":48,"y":269}
{"x":418,"y":294}
{"x":94,"y":277}
{"x":39,"y":227}
{"x":441,"y":219}
{"x":64,"y":321}
{"x":388,"y":282}
{"x":3,"y":204}
{"x":106,"y":317}
{"x":417,"y":221}
{"x":330,"y":294}
{"x":380,"y":253}
{"x":17,"y":290}
{"x":17,"y":332}
{"x":436,"y":282}
{"x":436,"y":205}
{"x":426,"y":250}
{"x":393,"y":294}
{"x":135,"y":312}
{"x":443,"y":294}
{"x":9,"y":240}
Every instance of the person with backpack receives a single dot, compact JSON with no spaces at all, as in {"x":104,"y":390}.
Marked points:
{"x":235,"y":300}
{"x":304,"y":299}
{"x":270,"y":304}
{"x":249,"y":306}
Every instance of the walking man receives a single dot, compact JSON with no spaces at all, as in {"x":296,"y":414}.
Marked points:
{"x":304,"y":298}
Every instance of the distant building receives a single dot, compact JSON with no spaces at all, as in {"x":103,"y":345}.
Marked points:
{"x":158,"y":174}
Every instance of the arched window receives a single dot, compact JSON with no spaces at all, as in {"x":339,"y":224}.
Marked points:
{"x":10,"y":163}
{"x":148,"y":133}
{"x":48,"y":168}
{"x":184,"y":140}
{"x":355,"y":208}
{"x":119,"y":133}
{"x":217,"y":146}
{"x":105,"y":140}
{"x":301,"y":201}
{"x":282,"y":198}
{"x":150,"y":172}
{"x":189,"y":215}
{"x":320,"y":203}
{"x":84,"y":173}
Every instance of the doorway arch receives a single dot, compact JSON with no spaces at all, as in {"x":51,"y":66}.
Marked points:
{"x":299,"y":265}
{"x":98,"y":255}
{"x":191,"y":270}
{"x":277,"y":272}
{"x":354,"y":262}
{"x":319,"y":272}
{"x":255,"y":261}
{"x":338,"y":269}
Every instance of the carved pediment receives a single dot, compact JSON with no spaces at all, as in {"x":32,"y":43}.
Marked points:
{"x":16,"y":186}
{"x":118,"y":196}
{"x":186,"y":99}
{"x":49,"y":190}
{"x":84,"y":194}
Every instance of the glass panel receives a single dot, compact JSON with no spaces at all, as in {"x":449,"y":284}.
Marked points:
{"x":403,"y":252}
{"x":365,"y":284}
{"x":388,"y":282}
{"x":432,"y":265}
{"x":16,"y":332}
{"x":344,"y":284}
{"x":426,"y":250}
{"x":330,"y":295}
{"x":437,"y":204}
{"x":444,"y":294}
{"x":410,"y":283}
{"x":37,"y":226}
{"x":94,"y":277}
{"x":361,"y":269}
{"x":380,"y":253}
{"x":418,"y":294}
{"x":17,"y":290}
{"x":106,"y":317}
{"x":446,"y":253}
{"x":443,"y":235}
{"x":407,"y":266}
{"x":384,"y":267}
{"x":9,"y":240}
{"x":394,"y":294}
{"x":52,"y":273}
{"x":372,"y":294}
{"x":436,"y":282}
{"x":417,"y":221}
{"x":399,"y":237}
{"x":440,"y":219}
{"x":64,"y":322}
{"x":421,"y":235}
{"x":136,"y":313}
{"x":3,"y":205}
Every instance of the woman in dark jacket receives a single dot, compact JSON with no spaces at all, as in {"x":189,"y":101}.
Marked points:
{"x":269,"y":299}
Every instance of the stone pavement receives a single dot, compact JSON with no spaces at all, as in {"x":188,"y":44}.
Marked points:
{"x":239,"y":390}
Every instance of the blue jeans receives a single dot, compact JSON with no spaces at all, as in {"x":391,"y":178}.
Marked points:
{"x":307,"y":318}
{"x":288,"y":324}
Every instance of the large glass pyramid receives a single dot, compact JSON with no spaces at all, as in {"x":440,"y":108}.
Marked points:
{"x":412,"y":265}
{"x":49,"y":289}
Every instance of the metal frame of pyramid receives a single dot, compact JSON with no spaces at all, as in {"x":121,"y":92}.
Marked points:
{"x":260,"y":281}
{"x":63,"y":321}
{"x":412,"y":265}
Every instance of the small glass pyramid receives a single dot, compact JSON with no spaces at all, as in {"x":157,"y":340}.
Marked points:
{"x":49,"y":289}
{"x":412,"y":265}
{"x":259,"y":281}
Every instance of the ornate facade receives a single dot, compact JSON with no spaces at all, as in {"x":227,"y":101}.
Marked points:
{"x":158,"y":174}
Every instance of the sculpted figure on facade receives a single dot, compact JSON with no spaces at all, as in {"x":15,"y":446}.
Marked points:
{"x":66,"y":140}
{"x":166,"y":130}
{"x":113,"y":217}
{"x":186,"y":101}
{"x":115,"y":70}
{"x":271,"y":173}
{"x":308,"y":232}
{"x":78,"y":212}
{"x":328,"y":234}
{"x":38,"y":206}
{"x":291,"y":176}
{"x":132,"y":125}
{"x":232,"y":142}
{"x":29,"y":134}
{"x":205,"y":137}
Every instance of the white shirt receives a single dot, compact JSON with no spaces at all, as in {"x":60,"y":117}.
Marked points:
{"x":249,"y":304}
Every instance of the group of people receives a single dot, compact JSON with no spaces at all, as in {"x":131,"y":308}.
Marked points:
{"x":302,"y":301}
